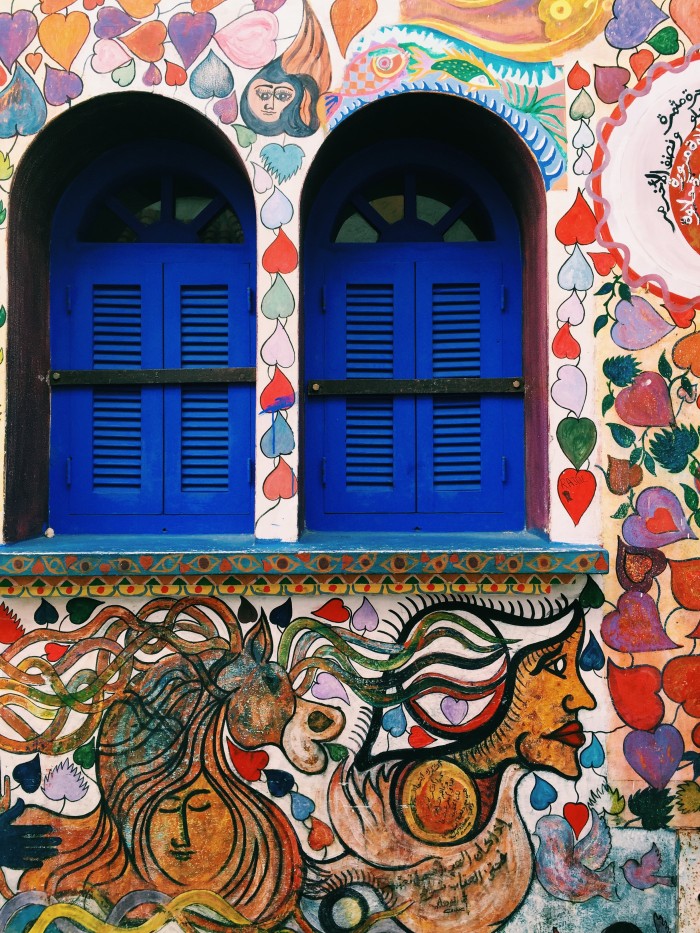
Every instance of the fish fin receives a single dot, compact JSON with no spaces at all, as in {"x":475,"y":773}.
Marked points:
{"x":420,"y":63}
{"x":329,"y":105}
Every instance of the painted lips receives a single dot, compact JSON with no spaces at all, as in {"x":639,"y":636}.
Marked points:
{"x":570,"y":734}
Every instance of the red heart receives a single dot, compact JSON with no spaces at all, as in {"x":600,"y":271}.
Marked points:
{"x":682,"y":683}
{"x":55,"y":652}
{"x":576,"y":489}
{"x":682,"y":319}
{"x":635,"y":695}
{"x":249,"y":765}
{"x":321,"y":835}
{"x":146,"y":42}
{"x":578,"y":77}
{"x":334,"y":610}
{"x":175,"y":75}
{"x":576,"y":815}
{"x":640,"y":62}
{"x":278,"y":394}
{"x":565,"y":346}
{"x":33,"y":60}
{"x":146,"y":562}
{"x":578,"y":223}
{"x":281,"y":483}
{"x":661,"y":522}
{"x":281,"y":255}
{"x":419,"y":738}
{"x":604,"y":262}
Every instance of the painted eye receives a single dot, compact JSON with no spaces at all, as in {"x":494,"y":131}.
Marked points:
{"x":346,"y":909}
{"x":387,"y":64}
{"x":557,"y":667}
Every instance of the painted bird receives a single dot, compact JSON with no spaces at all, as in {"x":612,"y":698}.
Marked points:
{"x":643,"y":874}
{"x":570,"y":870}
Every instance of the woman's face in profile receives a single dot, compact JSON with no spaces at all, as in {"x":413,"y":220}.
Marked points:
{"x":267,"y":100}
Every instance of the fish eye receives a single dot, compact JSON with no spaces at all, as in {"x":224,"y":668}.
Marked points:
{"x":347,"y":908}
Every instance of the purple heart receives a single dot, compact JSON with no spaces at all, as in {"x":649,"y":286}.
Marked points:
{"x":454,"y":710}
{"x":659,"y":520}
{"x":328,"y":687}
{"x":632,"y":22}
{"x":61,"y":86}
{"x":226,"y":109}
{"x":635,"y":625}
{"x":16,"y":32}
{"x":365,"y":619}
{"x":272,"y":6}
{"x":152,"y":75}
{"x":655,"y":756}
{"x":112,"y":22}
{"x":191,"y":33}
{"x":638,"y":324}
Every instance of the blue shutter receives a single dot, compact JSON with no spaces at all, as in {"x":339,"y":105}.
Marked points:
{"x":107,"y":446}
{"x":208,"y":428}
{"x":463,"y":440}
{"x":362,"y":448}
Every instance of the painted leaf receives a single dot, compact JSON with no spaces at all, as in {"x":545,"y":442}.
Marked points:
{"x":10,"y":627}
{"x":350,"y":17}
{"x":81,"y":608}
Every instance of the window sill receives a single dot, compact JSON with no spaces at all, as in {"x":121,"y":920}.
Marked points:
{"x":81,"y":557}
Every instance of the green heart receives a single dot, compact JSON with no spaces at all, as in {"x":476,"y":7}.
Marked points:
{"x":125,"y":74}
{"x":244,"y":136}
{"x":577,"y":437}
{"x":337,"y":752}
{"x":85,"y":755}
{"x":583,"y":107}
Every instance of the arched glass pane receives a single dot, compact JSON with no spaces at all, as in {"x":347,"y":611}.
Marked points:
{"x":355,"y":229}
{"x":225,"y":227}
{"x":430,"y":210}
{"x":459,"y":232}
{"x":105,"y":227}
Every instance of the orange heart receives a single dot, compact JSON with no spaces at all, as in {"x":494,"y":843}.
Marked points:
{"x":138,"y":8}
{"x":686,"y":353}
{"x":63,"y":35}
{"x":661,"y":522}
{"x":203,"y":6}
{"x":146,"y":42}
{"x":321,"y":835}
{"x":54,"y":6}
{"x":33,"y":60}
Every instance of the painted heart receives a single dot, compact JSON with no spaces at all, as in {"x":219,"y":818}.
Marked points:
{"x":365,"y":619}
{"x":279,"y":783}
{"x":22,"y":106}
{"x":278,"y":394}
{"x":108,"y":55}
{"x":637,"y":567}
{"x":249,"y":41}
{"x":282,"y":162}
{"x":281,"y":615}
{"x":250,"y":765}
{"x":334,"y":610}
{"x":125,"y":75}
{"x":632,"y":21}
{"x":592,"y":657}
{"x":112,"y":22}
{"x":281,"y":255}
{"x":686,"y":15}
{"x":571,"y":310}
{"x":610,"y":82}
{"x":276,"y":211}
{"x":211,"y":78}
{"x":281,"y":483}
{"x":62,"y":36}
{"x":321,"y":835}
{"x":576,"y":273}
{"x":146,"y":42}
{"x":686,"y":354}
{"x":593,"y":755}
{"x":302,"y":806}
{"x":278,"y":301}
{"x":542,"y":794}
{"x":278,"y":439}
{"x":227,"y":109}
{"x":328,"y":687}
{"x":635,"y":625}
{"x":262,"y":180}
{"x":641,"y":61}
{"x":578,"y":78}
{"x":638,"y":324}
{"x":621,"y":475}
{"x":583,"y":137}
{"x":685,"y":582}
{"x":659,"y":520}
{"x":60,"y":87}
{"x":578,"y":223}
{"x":33,"y":60}
{"x":277,"y":349}
{"x":54,"y":651}
{"x":583,"y":163}
{"x":454,"y":711}
{"x":655,"y":756}
{"x":576,"y":815}
{"x":139,"y":9}
{"x":682,"y":683}
{"x":635,"y":695}
{"x":28,"y":775}
{"x":582,"y":107}
{"x":85,"y":755}
{"x":55,"y":6}
{"x":565,"y":346}
{"x":577,"y":438}
{"x":604,"y":263}
{"x":245,"y":137}
{"x":152,"y":76}
{"x":175,"y":75}
{"x":419,"y":738}
{"x":569,"y":389}
{"x":203,"y":6}
{"x":394,"y":721}
{"x":576,"y":489}
{"x":16,"y":32}
{"x":191,"y":33}
{"x":646,"y":402}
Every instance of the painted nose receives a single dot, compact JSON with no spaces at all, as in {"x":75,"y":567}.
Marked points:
{"x":183,"y":837}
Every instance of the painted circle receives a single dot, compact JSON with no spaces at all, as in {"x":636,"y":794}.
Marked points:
{"x":438,"y":802}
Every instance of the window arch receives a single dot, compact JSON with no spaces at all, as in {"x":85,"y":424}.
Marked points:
{"x":152,"y":345}
{"x":413,"y":318}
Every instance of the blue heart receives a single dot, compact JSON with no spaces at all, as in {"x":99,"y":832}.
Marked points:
{"x":592,"y":657}
{"x":279,"y":783}
{"x":278,"y":439}
{"x":593,"y":755}
{"x":22,"y":106}
{"x":281,"y":615}
{"x":28,"y":775}
{"x":211,"y":78}
{"x":282,"y":161}
{"x":542,"y":794}
{"x":302,"y":807}
{"x":576,"y":273}
{"x":394,"y":721}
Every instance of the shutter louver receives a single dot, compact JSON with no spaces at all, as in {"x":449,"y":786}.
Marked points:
{"x":369,"y":443}
{"x":116,"y":439}
{"x":116,"y":326}
{"x":456,"y":443}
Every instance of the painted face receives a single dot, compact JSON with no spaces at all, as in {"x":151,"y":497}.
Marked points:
{"x":267,"y":101}
{"x":191,"y":834}
{"x":549,"y":693}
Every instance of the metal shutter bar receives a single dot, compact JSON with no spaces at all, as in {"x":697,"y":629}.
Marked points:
{"x":514,"y":385}
{"x":145,"y":377}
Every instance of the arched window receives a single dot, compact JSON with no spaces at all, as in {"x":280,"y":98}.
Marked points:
{"x":413,"y":321}
{"x":152,"y":346}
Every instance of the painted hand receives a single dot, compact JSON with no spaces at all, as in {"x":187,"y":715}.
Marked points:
{"x":24,"y":847}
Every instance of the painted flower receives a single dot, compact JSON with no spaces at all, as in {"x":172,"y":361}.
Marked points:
{"x":65,"y":780}
{"x":562,"y":18}
{"x":688,"y":797}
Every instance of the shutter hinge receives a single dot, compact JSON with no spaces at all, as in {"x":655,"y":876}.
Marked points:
{"x":504,"y":469}
{"x":251,"y":471}
{"x":69,"y":477}
{"x":251,"y":299}
{"x":69,"y":300}
{"x":323,"y":471}
{"x":323,"y":299}
{"x":503,"y":299}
